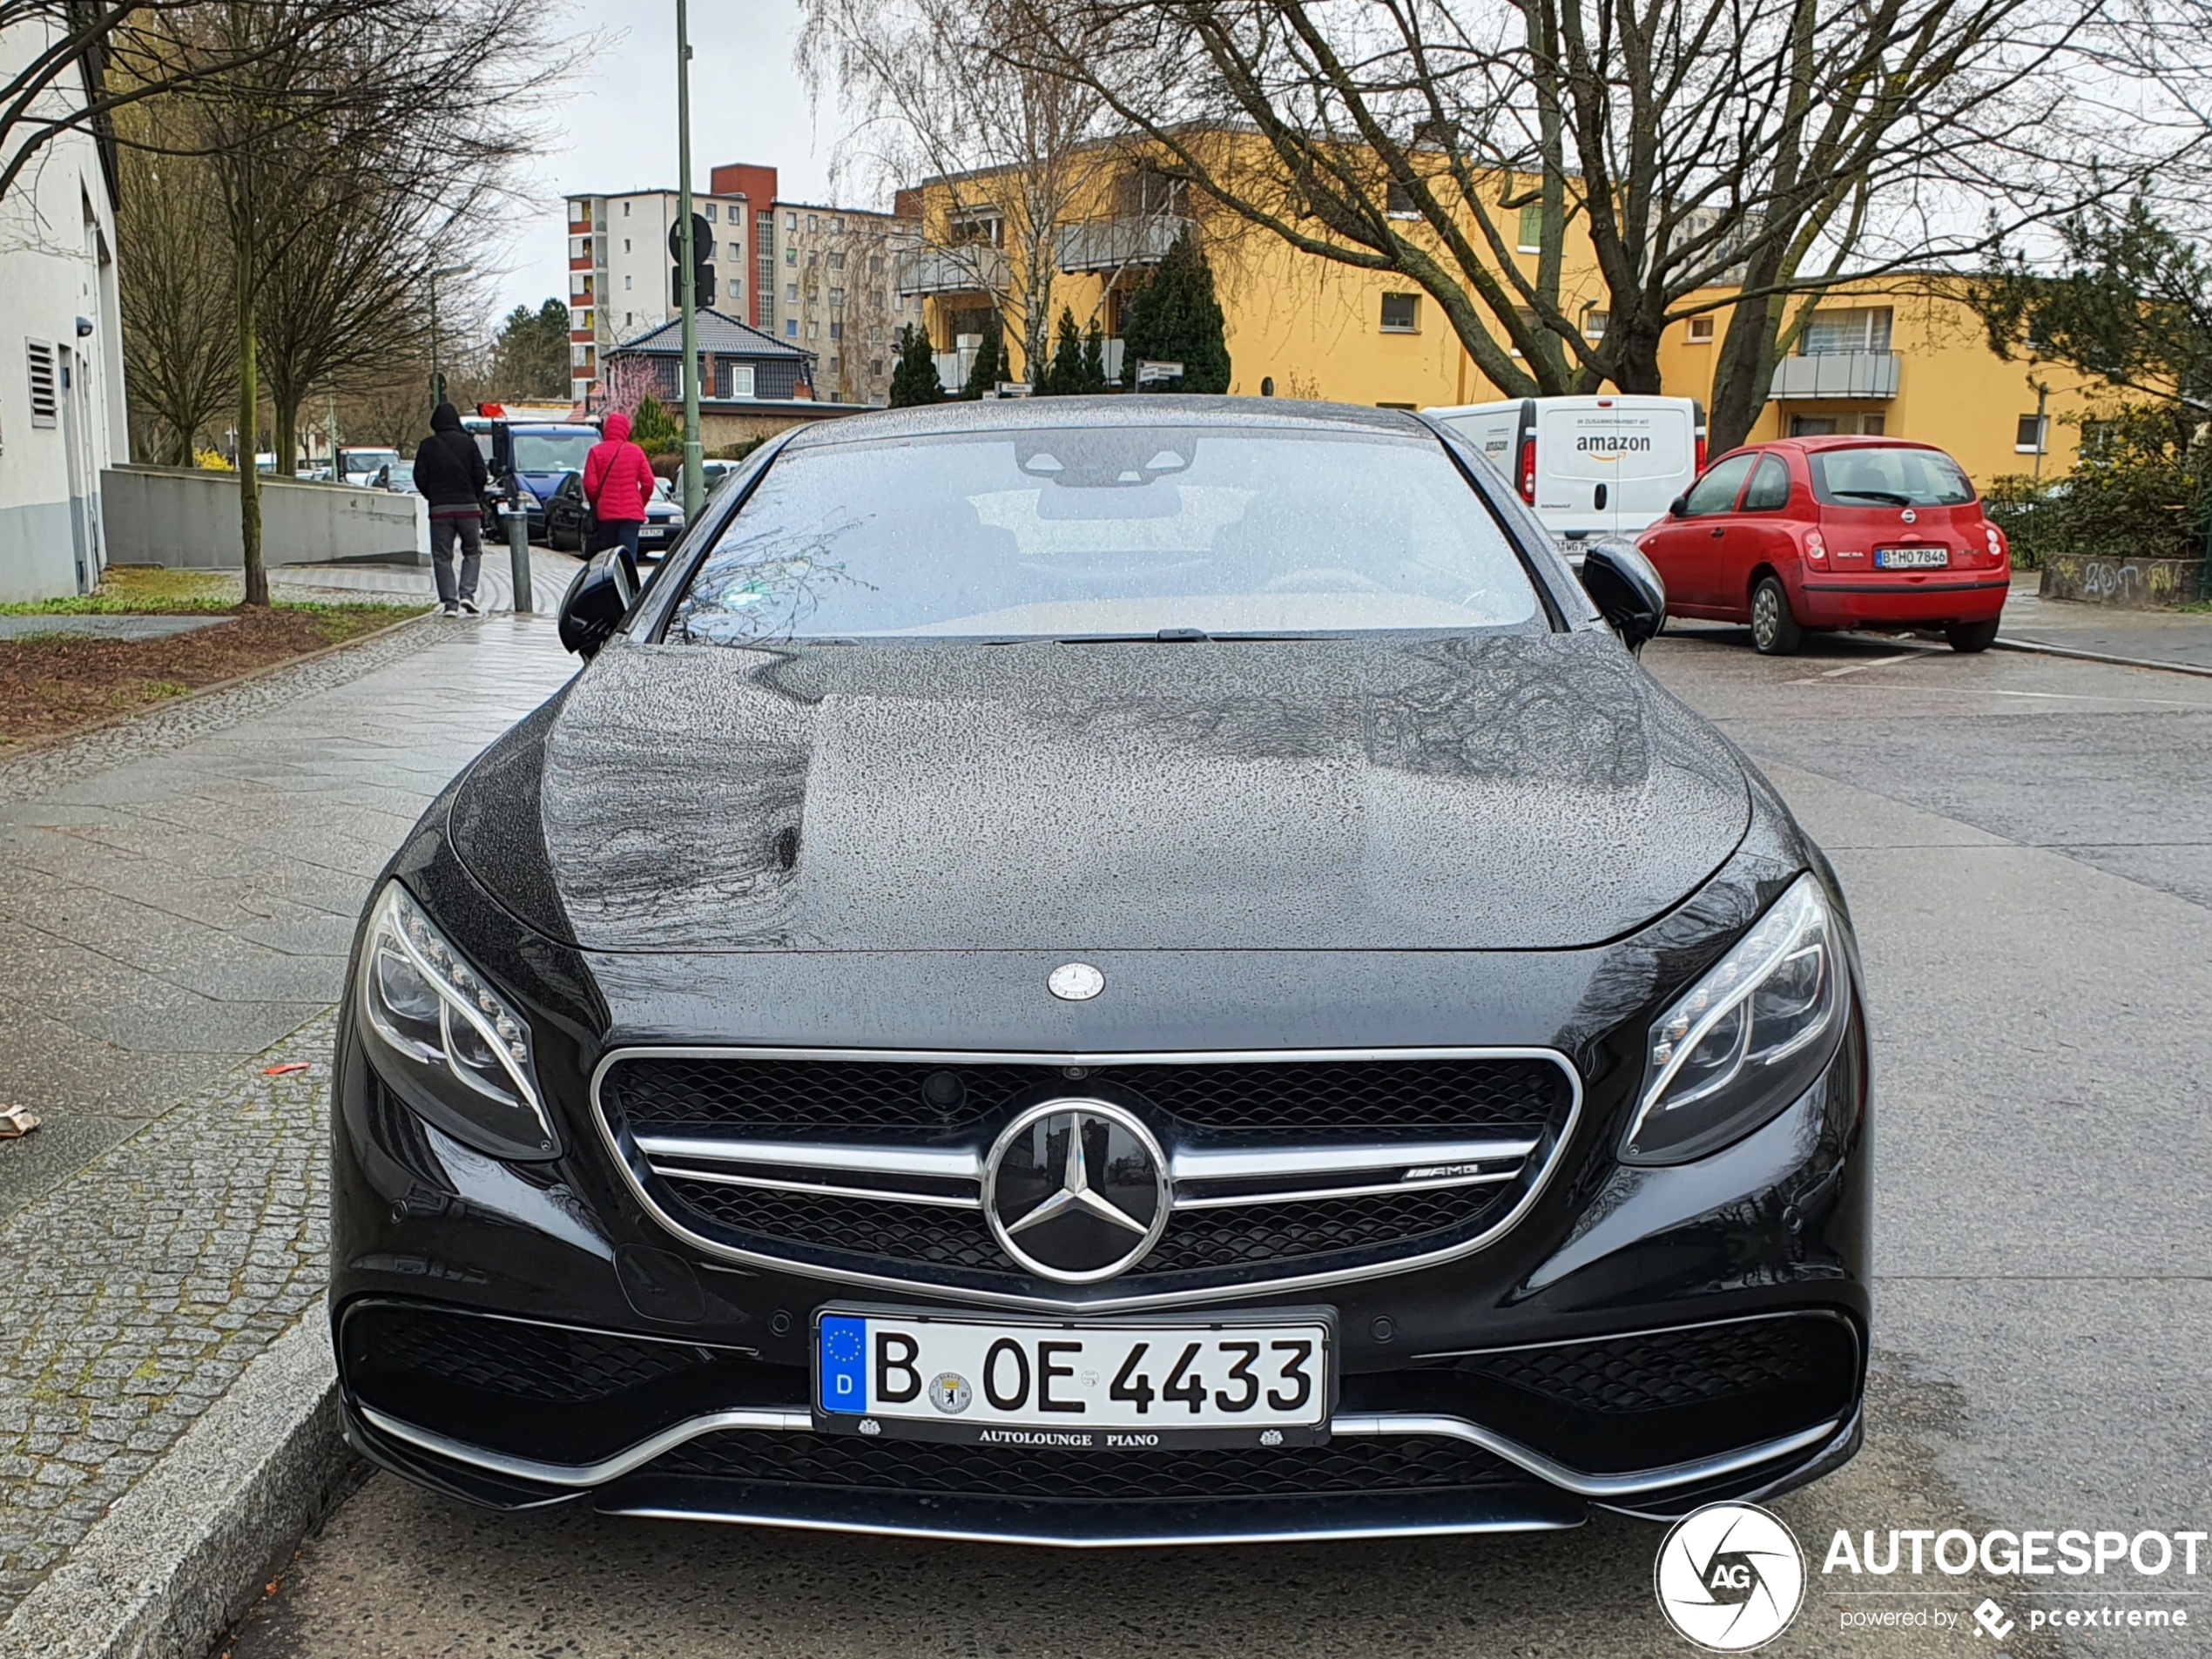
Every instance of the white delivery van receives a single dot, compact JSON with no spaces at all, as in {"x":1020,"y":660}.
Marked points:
{"x":1599,"y":465}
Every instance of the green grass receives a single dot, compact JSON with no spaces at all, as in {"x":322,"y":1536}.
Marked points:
{"x":144,"y":590}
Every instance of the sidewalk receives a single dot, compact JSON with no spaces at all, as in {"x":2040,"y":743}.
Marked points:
{"x":2182,"y":637}
{"x":177,"y":897}
{"x":550,"y":574}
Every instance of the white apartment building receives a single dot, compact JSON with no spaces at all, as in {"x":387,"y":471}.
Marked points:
{"x":832,"y":293}
{"x":62,"y":414}
{"x":621,"y":275}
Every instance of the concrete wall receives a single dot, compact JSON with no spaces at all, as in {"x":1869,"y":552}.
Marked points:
{"x":183,"y":517}
{"x":56,"y":265}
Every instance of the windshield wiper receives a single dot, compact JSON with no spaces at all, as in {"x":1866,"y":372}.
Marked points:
{"x":1889,"y":495}
{"x":1157,"y":637}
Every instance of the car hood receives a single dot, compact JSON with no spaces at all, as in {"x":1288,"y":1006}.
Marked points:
{"x":1389,"y":791}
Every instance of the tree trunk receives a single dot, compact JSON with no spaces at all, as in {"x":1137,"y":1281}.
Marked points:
{"x":1744,"y":373}
{"x":287,"y":411}
{"x":249,"y":396}
{"x":1635,"y":358}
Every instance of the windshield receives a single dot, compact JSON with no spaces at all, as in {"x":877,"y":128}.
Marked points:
{"x":1058,"y":533}
{"x":553,"y":451}
{"x":1889,"y":477}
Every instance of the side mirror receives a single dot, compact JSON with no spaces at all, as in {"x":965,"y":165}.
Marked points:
{"x":1627,"y":592}
{"x":596,"y":602}
{"x":1677,"y":507}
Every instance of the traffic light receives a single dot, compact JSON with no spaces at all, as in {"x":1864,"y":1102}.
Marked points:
{"x":702,"y":263}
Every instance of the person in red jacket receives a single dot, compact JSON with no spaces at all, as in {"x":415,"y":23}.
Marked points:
{"x":618,"y":482}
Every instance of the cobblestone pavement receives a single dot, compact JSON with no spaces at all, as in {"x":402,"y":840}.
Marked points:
{"x":177,"y":895}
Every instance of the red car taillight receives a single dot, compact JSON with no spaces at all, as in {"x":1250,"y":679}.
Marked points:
{"x":1529,"y":471}
{"x":1700,"y":455}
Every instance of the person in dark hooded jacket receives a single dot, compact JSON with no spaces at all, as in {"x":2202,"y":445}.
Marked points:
{"x":450,"y":472}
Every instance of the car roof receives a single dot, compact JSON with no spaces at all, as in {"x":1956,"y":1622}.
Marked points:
{"x":1844,"y":441}
{"x":1015,"y":414}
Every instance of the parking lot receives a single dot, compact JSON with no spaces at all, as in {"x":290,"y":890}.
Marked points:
{"x":2025,"y":843}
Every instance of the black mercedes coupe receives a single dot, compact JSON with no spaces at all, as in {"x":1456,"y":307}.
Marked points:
{"x":1111,"y":971}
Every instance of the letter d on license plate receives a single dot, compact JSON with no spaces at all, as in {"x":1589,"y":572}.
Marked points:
{"x":1263,"y":1379}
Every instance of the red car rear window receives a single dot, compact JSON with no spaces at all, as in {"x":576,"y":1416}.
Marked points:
{"x":1881,"y":475}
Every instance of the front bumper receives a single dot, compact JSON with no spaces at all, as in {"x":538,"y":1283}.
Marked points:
{"x":1651,"y":1340}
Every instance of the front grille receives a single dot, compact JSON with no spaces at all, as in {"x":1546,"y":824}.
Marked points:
{"x":1232,"y":1236}
{"x":746,"y":1153}
{"x":846,"y":1099}
{"x":1661,"y":1370}
{"x":535,"y":1362}
{"x":1410,"y":1463}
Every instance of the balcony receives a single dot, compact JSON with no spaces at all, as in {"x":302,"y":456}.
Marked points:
{"x":1117,"y":244}
{"x":1837,"y":375}
{"x":973,"y":267}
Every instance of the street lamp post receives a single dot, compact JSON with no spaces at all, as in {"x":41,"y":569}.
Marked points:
{"x":687,"y":283}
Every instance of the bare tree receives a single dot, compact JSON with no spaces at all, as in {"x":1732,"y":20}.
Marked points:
{"x":179,"y":339}
{"x":1744,"y":155}
{"x":1013,"y":154}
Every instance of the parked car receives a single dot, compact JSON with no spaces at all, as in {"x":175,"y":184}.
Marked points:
{"x":1097,"y":972}
{"x":1590,"y":466}
{"x":363,"y":466}
{"x":397,"y":477}
{"x":571,"y":524}
{"x":1834,"y":532}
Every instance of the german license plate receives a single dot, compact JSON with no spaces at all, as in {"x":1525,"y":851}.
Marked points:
{"x":1264,"y":1379}
{"x":1912,"y":558}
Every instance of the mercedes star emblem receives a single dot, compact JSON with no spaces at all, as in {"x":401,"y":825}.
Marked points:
{"x":1076,"y":1190}
{"x":1074,"y":981}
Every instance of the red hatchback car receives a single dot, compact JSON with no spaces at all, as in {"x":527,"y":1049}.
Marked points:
{"x":1838,"y":532}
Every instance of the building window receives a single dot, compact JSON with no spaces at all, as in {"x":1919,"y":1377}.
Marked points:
{"x":1528,"y":320}
{"x":1700,"y":331}
{"x":900,"y":304}
{"x":791,"y":256}
{"x":625,"y":213}
{"x":790,"y":294}
{"x":813,"y":329}
{"x":834,"y":362}
{"x":837,"y":331}
{"x":790,"y":221}
{"x":1532,"y":228}
{"x":625,"y":284}
{"x":629,"y":318}
{"x":625,"y":245}
{"x":875,"y":367}
{"x":1830,"y":332}
{"x":813,"y":221}
{"x":1397,"y":201}
{"x":2028,"y":438}
{"x":740,"y":384}
{"x":736,"y":253}
{"x":838,"y":225}
{"x":709,"y":211}
{"x":1812,"y":426}
{"x":1400,"y":312}
{"x":1594,"y":323}
{"x":791,"y":327}
{"x":837,"y":296}
{"x":837,"y":261}
{"x":735,"y":288}
{"x":875,"y":265}
{"x":813,"y":259}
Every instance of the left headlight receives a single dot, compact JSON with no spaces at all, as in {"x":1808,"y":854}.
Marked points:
{"x":456,"y":1049}
{"x":1747,"y":1039}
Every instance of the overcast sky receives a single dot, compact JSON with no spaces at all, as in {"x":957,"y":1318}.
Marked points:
{"x":616,"y":129}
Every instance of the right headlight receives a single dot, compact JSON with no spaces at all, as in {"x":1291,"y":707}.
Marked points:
{"x":1747,"y":1039}
{"x":454,"y":1047}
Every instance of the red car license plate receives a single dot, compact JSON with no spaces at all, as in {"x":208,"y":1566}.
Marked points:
{"x":1912,"y":558}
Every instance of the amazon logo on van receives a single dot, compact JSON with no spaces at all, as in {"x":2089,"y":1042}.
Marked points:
{"x":1611,"y":443}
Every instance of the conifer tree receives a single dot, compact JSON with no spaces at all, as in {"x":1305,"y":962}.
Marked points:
{"x":1094,"y":368}
{"x":1176,"y":319}
{"x":989,"y":367}
{"x":1063,"y":376}
{"x":913,"y":379}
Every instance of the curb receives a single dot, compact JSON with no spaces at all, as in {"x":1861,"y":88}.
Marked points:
{"x":2039,"y":648}
{"x":184,"y":1555}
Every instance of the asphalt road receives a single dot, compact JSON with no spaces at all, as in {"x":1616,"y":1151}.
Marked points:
{"x":2026,"y":846}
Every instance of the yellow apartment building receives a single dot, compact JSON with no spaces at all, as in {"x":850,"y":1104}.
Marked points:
{"x":1902,"y":355}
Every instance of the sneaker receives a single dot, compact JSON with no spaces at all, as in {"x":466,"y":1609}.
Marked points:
{"x":448,"y":609}
{"x":468,"y":608}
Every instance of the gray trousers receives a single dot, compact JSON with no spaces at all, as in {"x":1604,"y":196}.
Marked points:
{"x":470,"y":530}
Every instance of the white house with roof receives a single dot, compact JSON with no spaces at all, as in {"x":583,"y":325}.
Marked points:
{"x":61,"y":414}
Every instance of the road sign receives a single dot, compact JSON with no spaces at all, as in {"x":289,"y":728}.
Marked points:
{"x":702,"y":241}
{"x":1148,"y":373}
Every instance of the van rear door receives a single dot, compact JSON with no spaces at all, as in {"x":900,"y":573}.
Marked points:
{"x":1607,"y":466}
{"x":1495,"y":430}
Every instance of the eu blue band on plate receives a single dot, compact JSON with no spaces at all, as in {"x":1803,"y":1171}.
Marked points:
{"x":844,"y":1367}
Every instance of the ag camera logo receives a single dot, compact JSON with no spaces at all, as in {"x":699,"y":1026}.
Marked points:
{"x":1730,"y":1577}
